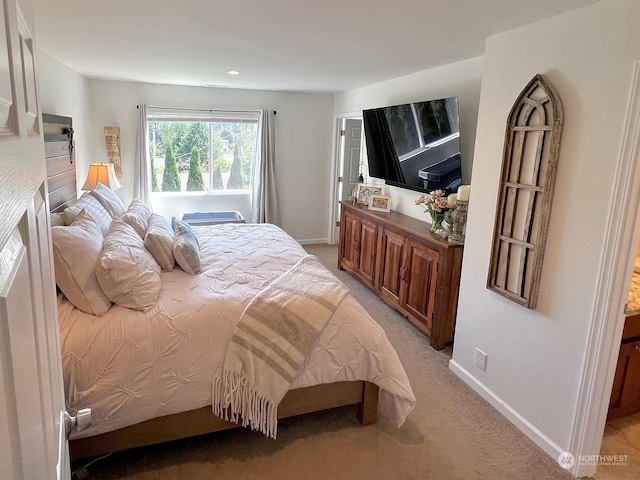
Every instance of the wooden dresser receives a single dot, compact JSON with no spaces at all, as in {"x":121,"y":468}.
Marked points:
{"x":411,"y":269}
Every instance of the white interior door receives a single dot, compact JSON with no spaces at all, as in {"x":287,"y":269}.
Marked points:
{"x":346,"y":165}
{"x":350,"y":154}
{"x":32,"y":439}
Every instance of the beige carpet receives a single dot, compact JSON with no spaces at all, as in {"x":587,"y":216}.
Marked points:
{"x":451,"y":434}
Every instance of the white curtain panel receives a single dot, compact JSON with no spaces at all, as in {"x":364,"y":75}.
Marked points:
{"x":142,"y":177}
{"x":264,"y":202}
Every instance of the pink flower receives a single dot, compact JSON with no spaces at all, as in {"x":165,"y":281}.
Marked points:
{"x":434,"y":203}
{"x":421,"y":199}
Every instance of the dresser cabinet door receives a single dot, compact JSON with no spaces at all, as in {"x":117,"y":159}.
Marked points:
{"x":419,"y":279}
{"x":390,"y":264}
{"x":366,"y":246}
{"x":349,"y":233}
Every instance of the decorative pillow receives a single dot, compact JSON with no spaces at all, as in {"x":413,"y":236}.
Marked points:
{"x":93,"y":208}
{"x":57,"y":220}
{"x":76,"y":250}
{"x":109,"y":200}
{"x":176,"y":221}
{"x":159,"y":241}
{"x":137,"y":216}
{"x":126,"y":271}
{"x":186,"y":249}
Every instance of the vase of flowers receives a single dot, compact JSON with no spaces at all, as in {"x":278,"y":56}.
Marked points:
{"x":435,"y":204}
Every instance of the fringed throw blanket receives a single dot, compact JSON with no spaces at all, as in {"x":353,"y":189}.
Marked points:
{"x":271,"y":342}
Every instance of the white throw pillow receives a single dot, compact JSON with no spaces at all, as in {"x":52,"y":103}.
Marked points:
{"x":126,"y":271}
{"x":76,"y":250}
{"x":57,"y":220}
{"x":92,"y":207}
{"x":186,"y":249}
{"x":109,"y":200}
{"x":159,"y":241}
{"x":175,"y":222}
{"x":137,"y":215}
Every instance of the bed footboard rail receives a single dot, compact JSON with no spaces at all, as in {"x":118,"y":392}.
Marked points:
{"x":201,"y":421}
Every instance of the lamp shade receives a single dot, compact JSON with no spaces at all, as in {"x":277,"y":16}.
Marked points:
{"x":103,"y":173}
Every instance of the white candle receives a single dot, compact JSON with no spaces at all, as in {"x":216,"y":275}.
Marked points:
{"x":463,"y":193}
{"x":451,"y":200}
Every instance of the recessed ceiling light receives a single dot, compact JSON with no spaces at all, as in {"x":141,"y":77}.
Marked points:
{"x":234,"y":72}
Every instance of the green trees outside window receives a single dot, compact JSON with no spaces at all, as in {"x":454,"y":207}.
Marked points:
{"x":170,"y":178}
{"x":217,"y":183}
{"x":195,"y":182}
{"x":202,"y":156}
{"x":235,"y":179}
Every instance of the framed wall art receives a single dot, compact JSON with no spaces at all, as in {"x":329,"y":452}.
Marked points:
{"x":112,"y":141}
{"x":529,"y":166}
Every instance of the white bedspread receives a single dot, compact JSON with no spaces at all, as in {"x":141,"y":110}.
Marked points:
{"x":130,"y":366}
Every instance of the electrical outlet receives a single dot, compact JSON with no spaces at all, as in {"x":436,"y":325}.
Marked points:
{"x":481,"y":360}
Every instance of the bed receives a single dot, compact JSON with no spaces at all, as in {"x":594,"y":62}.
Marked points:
{"x":148,"y":374}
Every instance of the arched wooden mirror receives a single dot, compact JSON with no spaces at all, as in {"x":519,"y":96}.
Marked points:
{"x":529,"y":165}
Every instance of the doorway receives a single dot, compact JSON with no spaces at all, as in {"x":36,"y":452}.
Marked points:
{"x":621,"y":441}
{"x":612,"y":291}
{"x":347,"y":165}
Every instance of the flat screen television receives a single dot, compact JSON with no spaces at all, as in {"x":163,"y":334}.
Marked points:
{"x":415,"y":145}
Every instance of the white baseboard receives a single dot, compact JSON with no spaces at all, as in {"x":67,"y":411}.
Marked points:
{"x":311,"y":241}
{"x":512,"y":415}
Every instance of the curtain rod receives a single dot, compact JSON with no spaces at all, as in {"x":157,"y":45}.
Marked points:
{"x":201,"y":109}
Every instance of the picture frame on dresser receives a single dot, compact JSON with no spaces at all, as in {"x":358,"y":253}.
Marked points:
{"x":366,"y":191}
{"x":380,"y":203}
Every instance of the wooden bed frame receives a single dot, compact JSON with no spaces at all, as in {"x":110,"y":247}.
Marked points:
{"x":61,"y":161}
{"x":201,"y":421}
{"x":62,"y":190}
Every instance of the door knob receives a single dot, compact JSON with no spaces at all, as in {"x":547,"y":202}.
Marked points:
{"x":81,"y":421}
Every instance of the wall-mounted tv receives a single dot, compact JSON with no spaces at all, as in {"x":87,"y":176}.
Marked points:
{"x":415,"y":145}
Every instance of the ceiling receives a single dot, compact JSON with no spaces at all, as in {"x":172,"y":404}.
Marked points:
{"x":292,"y":45}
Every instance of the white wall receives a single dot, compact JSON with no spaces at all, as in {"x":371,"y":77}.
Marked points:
{"x":65,"y":92}
{"x":303,"y":144}
{"x":461,"y":79}
{"x":535,"y":357}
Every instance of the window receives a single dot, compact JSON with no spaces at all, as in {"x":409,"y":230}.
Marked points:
{"x":202,"y":151}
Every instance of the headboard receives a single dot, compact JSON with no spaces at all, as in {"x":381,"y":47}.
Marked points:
{"x":61,"y":161}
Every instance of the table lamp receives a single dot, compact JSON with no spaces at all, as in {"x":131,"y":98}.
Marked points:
{"x":103,"y":173}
